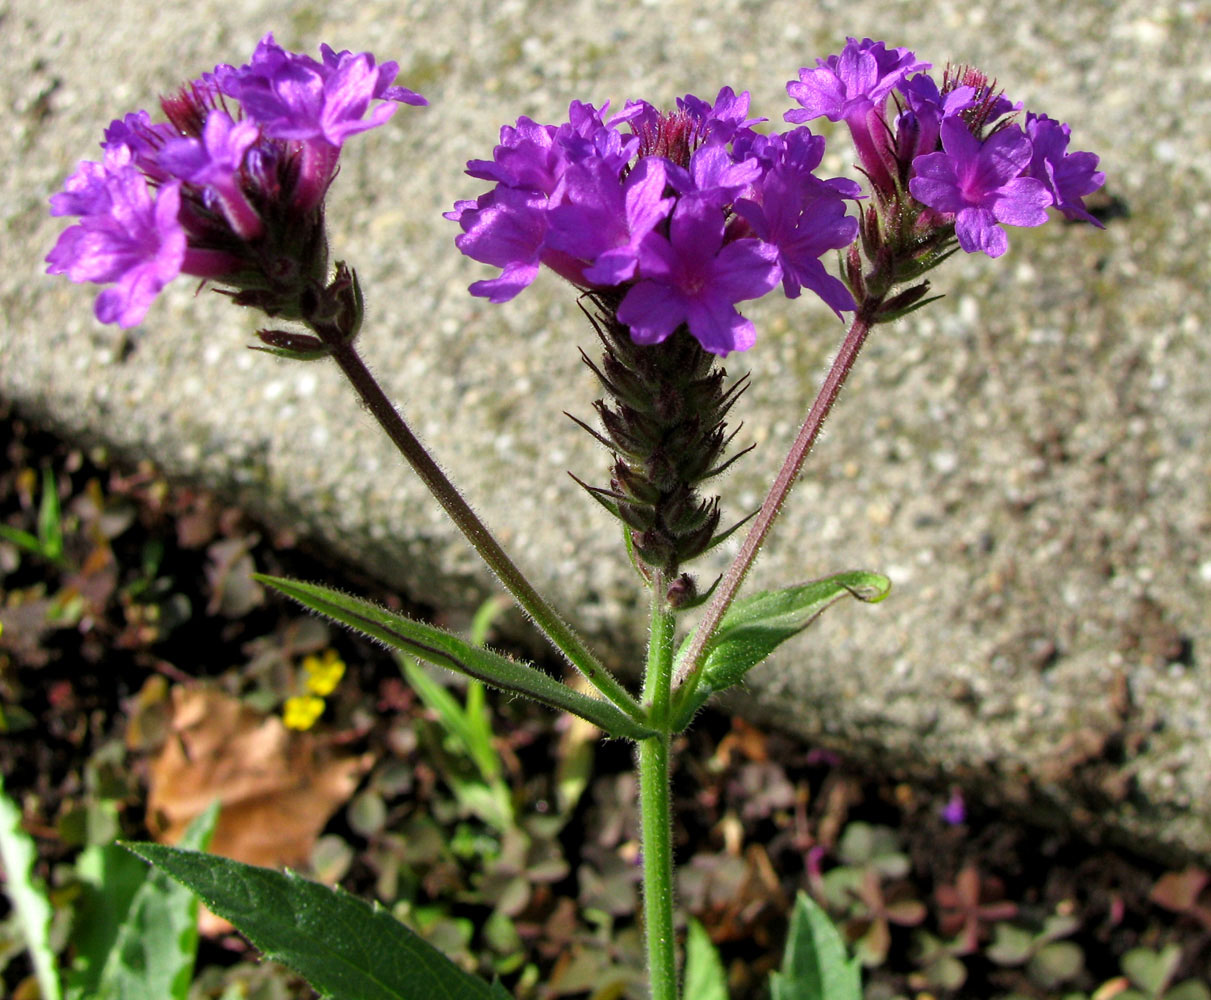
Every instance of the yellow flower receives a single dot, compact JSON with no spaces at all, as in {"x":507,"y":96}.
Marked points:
{"x":301,"y":711}
{"x":324,"y":674}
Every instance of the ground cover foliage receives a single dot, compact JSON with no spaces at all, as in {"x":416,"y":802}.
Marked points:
{"x":145,"y":673}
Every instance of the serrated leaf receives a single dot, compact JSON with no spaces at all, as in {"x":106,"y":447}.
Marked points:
{"x":17,"y":856}
{"x":149,"y":936}
{"x":346,"y":948}
{"x":704,"y":975}
{"x":755,"y":626}
{"x":815,"y":965}
{"x":435,"y":645}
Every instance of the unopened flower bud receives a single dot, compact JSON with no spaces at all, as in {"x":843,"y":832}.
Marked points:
{"x":291,"y":344}
{"x":682,"y":591}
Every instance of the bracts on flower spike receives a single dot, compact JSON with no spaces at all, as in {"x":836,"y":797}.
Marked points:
{"x":665,"y":424}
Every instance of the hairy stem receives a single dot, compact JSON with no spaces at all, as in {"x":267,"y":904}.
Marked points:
{"x":655,"y":804}
{"x":460,"y":512}
{"x":729,"y":585}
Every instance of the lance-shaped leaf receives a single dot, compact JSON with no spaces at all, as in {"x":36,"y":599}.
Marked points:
{"x":704,"y":975}
{"x":815,"y":965}
{"x":755,"y":626}
{"x":435,"y":645}
{"x":343,"y":946}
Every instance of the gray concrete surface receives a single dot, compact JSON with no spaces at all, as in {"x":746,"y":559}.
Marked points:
{"x":1028,"y":459}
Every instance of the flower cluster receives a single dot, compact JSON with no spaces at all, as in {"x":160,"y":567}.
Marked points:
{"x":678,"y":218}
{"x":955,"y":148}
{"x":231,"y":187}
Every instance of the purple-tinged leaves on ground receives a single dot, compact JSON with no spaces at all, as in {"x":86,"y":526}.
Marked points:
{"x":1184,"y":892}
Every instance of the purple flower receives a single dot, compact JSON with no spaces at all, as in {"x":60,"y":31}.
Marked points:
{"x":527,"y":157}
{"x":845,"y":87}
{"x":231,"y":187}
{"x":981,"y":185}
{"x":693,"y":278}
{"x":607,"y":224}
{"x":919,"y":125}
{"x":294,"y":97}
{"x":852,"y":87}
{"x":954,"y":812}
{"x":803,"y":226}
{"x":654,"y":216}
{"x":506,"y":228}
{"x":215,"y":161}
{"x":1068,"y":176}
{"x":135,"y":242}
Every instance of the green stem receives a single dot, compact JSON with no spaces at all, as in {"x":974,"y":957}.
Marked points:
{"x":725,"y":593}
{"x":655,"y":804}
{"x":544,"y":616}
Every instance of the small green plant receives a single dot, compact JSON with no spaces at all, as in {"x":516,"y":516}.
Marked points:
{"x":1151,"y":974}
{"x":1049,"y":961}
{"x":968,"y":905}
{"x":468,"y":737}
{"x":1184,"y":892}
{"x":868,"y":893}
{"x":133,"y":932}
{"x":47,"y":543}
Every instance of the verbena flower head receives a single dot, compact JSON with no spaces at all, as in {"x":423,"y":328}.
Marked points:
{"x":942,"y":160}
{"x":678,"y":218}
{"x":231,"y":187}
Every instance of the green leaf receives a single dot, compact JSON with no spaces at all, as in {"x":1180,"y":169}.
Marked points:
{"x":50,"y":524}
{"x":459,"y":724}
{"x":755,"y":626}
{"x":436,"y":645}
{"x":1057,"y":963}
{"x":28,"y":896}
{"x":486,"y":615}
{"x":346,"y":948}
{"x":704,"y":975}
{"x":22,"y":539}
{"x":1152,"y":970}
{"x":815,"y":965}
{"x":136,"y":932}
{"x":1189,"y":990}
{"x":469,"y":729}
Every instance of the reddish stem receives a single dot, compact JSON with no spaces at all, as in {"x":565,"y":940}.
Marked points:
{"x":691,"y":667}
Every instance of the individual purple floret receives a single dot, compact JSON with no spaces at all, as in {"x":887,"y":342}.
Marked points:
{"x":679,"y":217}
{"x":853,"y":87}
{"x":230,"y":188}
{"x":692,"y":277}
{"x":845,"y":87}
{"x":954,"y":812}
{"x":1068,"y":176}
{"x":136,"y":243}
{"x":981,"y":184}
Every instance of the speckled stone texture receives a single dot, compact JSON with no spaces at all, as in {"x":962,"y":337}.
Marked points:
{"x":1028,"y":459}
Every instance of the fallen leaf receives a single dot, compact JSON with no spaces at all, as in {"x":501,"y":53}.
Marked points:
{"x":277,"y":788}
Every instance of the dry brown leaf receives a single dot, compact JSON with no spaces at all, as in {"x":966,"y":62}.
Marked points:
{"x":277,"y":788}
